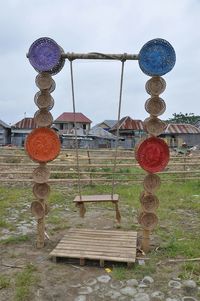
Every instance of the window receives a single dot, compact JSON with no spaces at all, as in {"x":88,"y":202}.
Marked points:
{"x":84,"y":126}
{"x":61,"y":126}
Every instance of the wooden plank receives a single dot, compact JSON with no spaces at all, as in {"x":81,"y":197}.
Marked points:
{"x":97,"y":198}
{"x":106,"y":232}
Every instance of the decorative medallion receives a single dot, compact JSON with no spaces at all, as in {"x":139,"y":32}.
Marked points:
{"x":157,"y":57}
{"x":155,"y":86}
{"x":153,"y":154}
{"x":42,"y":145}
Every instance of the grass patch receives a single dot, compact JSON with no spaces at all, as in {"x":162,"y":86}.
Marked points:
{"x":4,"y":281}
{"x":15,"y":239}
{"x":24,"y":282}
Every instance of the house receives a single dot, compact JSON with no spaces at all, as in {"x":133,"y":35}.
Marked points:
{"x":107,"y":124}
{"x":176,"y":134}
{"x":21,"y":129}
{"x":130,"y":131}
{"x":5,"y":133}
{"x":65,"y":123}
{"x":102,"y":138}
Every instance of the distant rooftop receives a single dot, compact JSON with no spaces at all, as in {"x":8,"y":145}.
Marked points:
{"x":181,"y":128}
{"x":26,"y":123}
{"x":5,"y":125}
{"x":127,"y":123}
{"x":71,"y":117}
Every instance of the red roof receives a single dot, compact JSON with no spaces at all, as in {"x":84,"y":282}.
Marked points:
{"x":127,"y":123}
{"x":26,"y":123}
{"x":181,"y":128}
{"x":71,"y":117}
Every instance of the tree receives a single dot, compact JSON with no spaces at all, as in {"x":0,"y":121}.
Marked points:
{"x":189,"y":118}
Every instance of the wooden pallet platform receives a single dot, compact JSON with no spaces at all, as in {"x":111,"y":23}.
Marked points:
{"x":99,"y":245}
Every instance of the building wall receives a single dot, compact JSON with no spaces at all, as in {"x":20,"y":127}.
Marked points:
{"x":176,"y":140}
{"x":70,"y":126}
{"x":5,"y":136}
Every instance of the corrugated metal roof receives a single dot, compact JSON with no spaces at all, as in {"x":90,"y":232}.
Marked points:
{"x":101,"y":133}
{"x":181,"y":128}
{"x":26,"y":123}
{"x":110,"y":123}
{"x":69,"y":117}
{"x":127,"y":123}
{"x":5,"y":125}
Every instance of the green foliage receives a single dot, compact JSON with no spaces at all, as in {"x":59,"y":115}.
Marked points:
{"x":15,"y":239}
{"x":189,"y":118}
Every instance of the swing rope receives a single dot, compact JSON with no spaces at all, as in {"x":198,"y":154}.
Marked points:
{"x":118,"y":120}
{"x":75,"y":125}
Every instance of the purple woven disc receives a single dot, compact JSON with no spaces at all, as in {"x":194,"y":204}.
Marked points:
{"x":44,"y":54}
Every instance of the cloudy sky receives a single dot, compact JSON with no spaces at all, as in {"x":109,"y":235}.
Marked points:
{"x":107,"y":26}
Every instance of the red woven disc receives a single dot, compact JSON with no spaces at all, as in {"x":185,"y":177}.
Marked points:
{"x":153,"y":154}
{"x":42,"y":145}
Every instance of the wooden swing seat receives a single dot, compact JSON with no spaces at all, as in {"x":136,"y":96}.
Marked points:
{"x":79,"y":201}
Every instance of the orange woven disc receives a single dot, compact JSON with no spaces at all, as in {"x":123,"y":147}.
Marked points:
{"x":42,"y":145}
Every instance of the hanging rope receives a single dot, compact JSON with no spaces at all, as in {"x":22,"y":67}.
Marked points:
{"x":75,"y":125}
{"x":118,"y":119}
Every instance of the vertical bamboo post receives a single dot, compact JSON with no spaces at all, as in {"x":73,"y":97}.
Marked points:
{"x":40,"y":233}
{"x":146,"y":241}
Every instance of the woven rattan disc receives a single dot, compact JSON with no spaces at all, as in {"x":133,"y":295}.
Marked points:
{"x":151,"y":182}
{"x":37,"y":209}
{"x":148,"y":220}
{"x":44,"y":81}
{"x":43,"y":118}
{"x":155,"y":86}
{"x":41,"y":174}
{"x":155,"y":106}
{"x":44,"y":100}
{"x":41,"y":191}
{"x":154,"y":126}
{"x":149,"y":202}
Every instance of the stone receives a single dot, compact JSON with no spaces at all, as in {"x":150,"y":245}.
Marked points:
{"x":90,"y":282}
{"x":147,"y":280}
{"x":172,"y":299}
{"x":128,"y":291}
{"x":142,"y":285}
{"x":157,"y":296}
{"x":113,"y":294}
{"x":75,"y":285}
{"x":85,"y":290}
{"x":116,"y":284}
{"x":80,"y":298}
{"x":132,"y":282}
{"x":104,"y":278}
{"x":174,"y":284}
{"x":141,"y":297}
{"x":190,"y":286}
{"x":188,"y":298}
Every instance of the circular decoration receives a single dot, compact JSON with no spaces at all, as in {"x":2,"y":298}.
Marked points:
{"x":157,"y":57}
{"x":155,"y":86}
{"x":43,"y":118}
{"x":149,"y":202}
{"x":44,"y":100}
{"x":41,"y":174}
{"x":37,"y":209}
{"x":44,"y":81}
{"x":153,"y":154}
{"x":154,"y":126}
{"x":148,"y":220}
{"x":44,"y":54}
{"x":155,"y":106}
{"x":41,"y":190}
{"x":151,"y":182}
{"x":42,"y":145}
